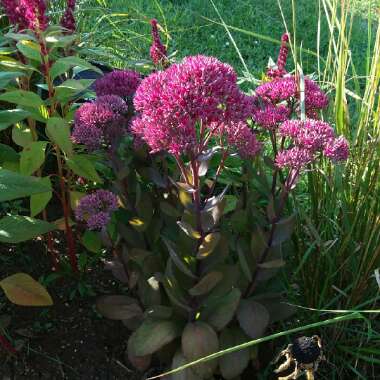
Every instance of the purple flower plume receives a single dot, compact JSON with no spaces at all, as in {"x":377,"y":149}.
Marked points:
{"x":96,"y":209}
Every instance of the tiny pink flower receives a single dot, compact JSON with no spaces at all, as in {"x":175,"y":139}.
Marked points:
{"x":294,"y":158}
{"x":158,"y":51}
{"x":337,"y":149}
{"x":122,"y":83}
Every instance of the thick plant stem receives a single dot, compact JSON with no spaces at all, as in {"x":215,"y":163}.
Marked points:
{"x":292,"y":177}
{"x":65,"y":206}
{"x":6,"y":345}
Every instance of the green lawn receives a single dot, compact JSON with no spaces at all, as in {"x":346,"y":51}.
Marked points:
{"x":120,"y":28}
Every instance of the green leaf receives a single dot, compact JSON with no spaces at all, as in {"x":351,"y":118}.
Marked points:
{"x":7,"y":77}
{"x":188,"y":374}
{"x":278,"y":308}
{"x":220,"y":312}
{"x":63,"y":65}
{"x":30,"y":50}
{"x":71,"y":88}
{"x":253,"y":318}
{"x":83,"y":167}
{"x":181,"y":265}
{"x":21,"y":289}
{"x":22,"y":98}
{"x":10,"y":117}
{"x":57,"y":41}
{"x":22,"y":135}
{"x":58,"y":131}
{"x":38,"y":202}
{"x":284,"y":230}
{"x":152,"y":335}
{"x":232,"y":365}
{"x":15,"y":229}
{"x":14,"y":186}
{"x":200,"y":340}
{"x":8,"y":154}
{"x":118,"y":307}
{"x":32,"y":157}
{"x":92,"y":241}
{"x":207,"y":283}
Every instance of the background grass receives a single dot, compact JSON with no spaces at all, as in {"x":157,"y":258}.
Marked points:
{"x":121,"y":27}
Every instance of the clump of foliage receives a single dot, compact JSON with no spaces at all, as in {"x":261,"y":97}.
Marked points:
{"x":40,"y":89}
{"x":203,"y":174}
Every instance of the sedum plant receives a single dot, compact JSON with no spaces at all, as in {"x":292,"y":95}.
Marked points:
{"x":197,"y":214}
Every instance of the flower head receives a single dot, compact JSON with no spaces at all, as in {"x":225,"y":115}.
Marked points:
{"x":269,"y":115}
{"x":96,"y":209}
{"x":309,"y":134}
{"x":200,"y":92}
{"x":158,"y":51}
{"x":26,"y":14}
{"x":99,"y":122}
{"x":68,"y":19}
{"x":280,"y":71}
{"x":294,"y":158}
{"x":122,"y":83}
{"x":337,"y":149}
{"x":243,"y":138}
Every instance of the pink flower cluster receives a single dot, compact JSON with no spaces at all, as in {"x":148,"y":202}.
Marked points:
{"x":26,"y":14}
{"x":158,"y":51}
{"x":122,"y":83}
{"x":102,"y":121}
{"x":96,"y":209}
{"x":68,"y":19}
{"x":308,"y":138}
{"x":198,"y":94}
{"x":280,"y":71}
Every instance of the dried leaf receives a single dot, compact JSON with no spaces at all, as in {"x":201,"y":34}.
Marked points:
{"x":21,"y":289}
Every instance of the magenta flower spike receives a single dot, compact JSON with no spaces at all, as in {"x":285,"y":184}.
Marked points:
{"x":158,"y":51}
{"x":68,"y":18}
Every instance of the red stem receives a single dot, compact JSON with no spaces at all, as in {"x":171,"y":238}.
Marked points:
{"x":7,"y":346}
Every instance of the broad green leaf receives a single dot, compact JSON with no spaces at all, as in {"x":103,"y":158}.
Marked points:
{"x":220,"y":312}
{"x":38,"y":202}
{"x":32,"y":157}
{"x":59,"y":40}
{"x":200,"y":340}
{"x":63,"y":65}
{"x":181,"y":265}
{"x":22,"y":98}
{"x":58,"y":131}
{"x":207,"y":283}
{"x":232,"y":365}
{"x":7,"y":77}
{"x":152,"y":335}
{"x":22,"y":135}
{"x":14,"y":186}
{"x":10,"y":117}
{"x":13,"y":64}
{"x":118,"y":307}
{"x":253,"y":318}
{"x":8,"y":154}
{"x":30,"y":49}
{"x":83,"y":167}
{"x":21,"y":36}
{"x":71,"y":88}
{"x":188,"y":374}
{"x":92,"y":241}
{"x":21,"y":289}
{"x":15,"y":229}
